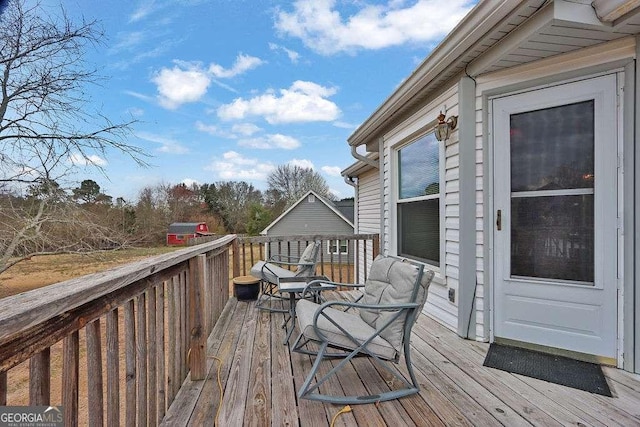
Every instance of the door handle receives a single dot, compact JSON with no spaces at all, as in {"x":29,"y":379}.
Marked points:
{"x":499,"y":219}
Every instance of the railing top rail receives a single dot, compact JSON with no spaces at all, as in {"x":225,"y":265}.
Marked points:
{"x":306,"y":237}
{"x":27,"y":309}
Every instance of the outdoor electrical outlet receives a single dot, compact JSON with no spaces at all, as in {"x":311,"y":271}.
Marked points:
{"x":452,"y":295}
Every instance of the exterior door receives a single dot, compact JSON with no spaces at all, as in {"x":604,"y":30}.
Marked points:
{"x":555,"y":210}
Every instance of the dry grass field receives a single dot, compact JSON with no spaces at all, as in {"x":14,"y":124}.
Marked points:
{"x":45,"y":270}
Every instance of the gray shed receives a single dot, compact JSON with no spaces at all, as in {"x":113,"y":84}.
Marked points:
{"x":313,"y":215}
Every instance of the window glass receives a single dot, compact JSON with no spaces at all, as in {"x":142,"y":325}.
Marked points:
{"x":553,"y":237}
{"x":419,"y":172}
{"x":418,"y":205}
{"x":553,"y":148}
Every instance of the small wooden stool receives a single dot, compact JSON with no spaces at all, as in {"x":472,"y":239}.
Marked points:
{"x":246,"y":288}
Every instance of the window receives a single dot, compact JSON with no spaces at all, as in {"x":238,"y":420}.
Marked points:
{"x":418,"y":202}
{"x":334,"y":245}
{"x":311,"y":198}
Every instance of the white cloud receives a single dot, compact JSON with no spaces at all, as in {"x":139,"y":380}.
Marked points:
{"x":321,"y":27}
{"x":214,"y":130}
{"x":144,"y":10}
{"x":271,"y":141}
{"x":302,"y":102}
{"x":344,"y":125}
{"x":238,"y":130}
{"x":303,"y":163}
{"x":294,"y":56}
{"x":245,"y":129}
{"x":142,"y":54}
{"x":136,"y":112}
{"x":338,"y":194}
{"x":188,"y":82}
{"x":243,"y":64}
{"x":127,"y":41}
{"x":331,"y":170}
{"x":233,"y":166}
{"x":139,"y":96}
{"x":167,"y":145}
{"x":80,"y":159}
{"x":224,"y":85}
{"x":178,"y":86}
{"x":189,"y":182}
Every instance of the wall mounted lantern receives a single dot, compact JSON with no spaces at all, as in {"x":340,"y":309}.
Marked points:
{"x":444,"y":128}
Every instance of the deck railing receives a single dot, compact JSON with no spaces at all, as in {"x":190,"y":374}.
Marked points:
{"x":115,"y":347}
{"x":144,"y":329}
{"x":349,"y":259}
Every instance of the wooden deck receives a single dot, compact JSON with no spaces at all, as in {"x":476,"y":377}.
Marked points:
{"x":259,"y":377}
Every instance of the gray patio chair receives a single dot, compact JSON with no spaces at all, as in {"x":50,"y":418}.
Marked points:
{"x":269,"y":272}
{"x":394,"y":294}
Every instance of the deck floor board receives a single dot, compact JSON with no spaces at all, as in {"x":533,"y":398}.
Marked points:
{"x":261,"y":376}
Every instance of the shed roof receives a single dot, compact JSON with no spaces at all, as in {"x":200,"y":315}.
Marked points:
{"x":324,"y":200}
{"x":183,"y":227}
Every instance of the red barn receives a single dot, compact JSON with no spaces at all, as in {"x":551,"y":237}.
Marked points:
{"x":180,"y":232}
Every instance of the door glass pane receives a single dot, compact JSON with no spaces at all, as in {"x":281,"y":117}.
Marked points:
{"x":419,"y":230}
{"x":552,"y":237}
{"x":553,"y":148}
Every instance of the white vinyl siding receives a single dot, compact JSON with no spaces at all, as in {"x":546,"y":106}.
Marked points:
{"x":368,"y":216}
{"x":438,"y":304}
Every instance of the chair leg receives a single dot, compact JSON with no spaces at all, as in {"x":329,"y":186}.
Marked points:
{"x":268,"y":293}
{"x":310,"y":391}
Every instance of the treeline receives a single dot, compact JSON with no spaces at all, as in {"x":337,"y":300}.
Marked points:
{"x":47,"y":219}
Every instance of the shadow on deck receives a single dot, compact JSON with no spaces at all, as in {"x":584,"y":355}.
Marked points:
{"x":259,"y":377}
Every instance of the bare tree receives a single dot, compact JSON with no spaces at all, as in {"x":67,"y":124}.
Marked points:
{"x":289,"y":182}
{"x":47,"y":126}
{"x":46,"y":222}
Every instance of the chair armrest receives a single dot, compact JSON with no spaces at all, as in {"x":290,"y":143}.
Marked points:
{"x":324,"y":283}
{"x":338,"y":284}
{"x":381,"y":307}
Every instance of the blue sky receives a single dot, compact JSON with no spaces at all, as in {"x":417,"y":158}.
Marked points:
{"x":230,"y":89}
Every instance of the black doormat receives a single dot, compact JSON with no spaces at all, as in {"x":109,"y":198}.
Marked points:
{"x":548,"y":367}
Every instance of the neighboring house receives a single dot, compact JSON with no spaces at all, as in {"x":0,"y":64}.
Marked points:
{"x":316,"y":215}
{"x":180,"y":232}
{"x":528,"y":212}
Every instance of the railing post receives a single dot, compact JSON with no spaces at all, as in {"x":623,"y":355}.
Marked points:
{"x":236,"y":257}
{"x":94,"y":374}
{"x":70,"y":372}
{"x":40,"y":378}
{"x":197,"y":355}
{"x":113,"y":369}
{"x":376,"y":247}
{"x":3,"y":389}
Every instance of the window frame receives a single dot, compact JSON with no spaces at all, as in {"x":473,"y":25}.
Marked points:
{"x":396,"y":200}
{"x":338,"y":246}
